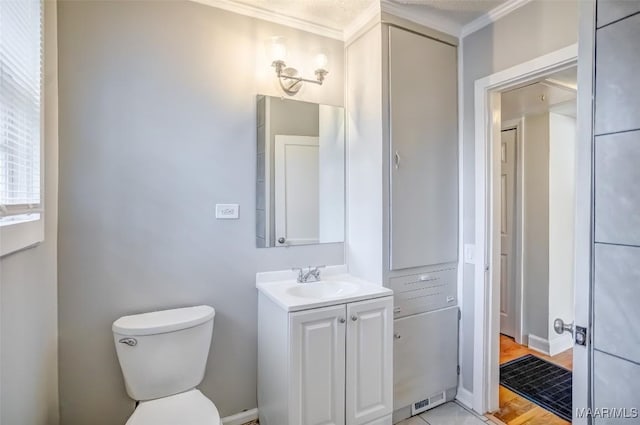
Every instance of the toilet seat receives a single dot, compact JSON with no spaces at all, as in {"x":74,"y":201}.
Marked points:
{"x":188,"y":408}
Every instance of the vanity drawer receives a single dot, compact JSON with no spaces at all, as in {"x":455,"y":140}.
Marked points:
{"x":423,"y":292}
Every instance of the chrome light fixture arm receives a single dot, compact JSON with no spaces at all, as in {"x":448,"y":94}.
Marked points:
{"x":289,"y":80}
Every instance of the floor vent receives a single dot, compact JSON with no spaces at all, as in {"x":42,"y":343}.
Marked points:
{"x":428,"y":403}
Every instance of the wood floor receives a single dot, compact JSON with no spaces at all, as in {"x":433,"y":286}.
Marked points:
{"x":516,"y":410}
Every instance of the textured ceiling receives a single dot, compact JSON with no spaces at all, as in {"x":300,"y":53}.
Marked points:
{"x":338,"y":14}
{"x":459,"y":11}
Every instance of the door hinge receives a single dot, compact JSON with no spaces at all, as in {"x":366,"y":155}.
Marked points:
{"x":458,"y":369}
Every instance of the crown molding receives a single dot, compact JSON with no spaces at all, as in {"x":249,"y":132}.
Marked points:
{"x":361,"y":21}
{"x":276,"y":18}
{"x":425,"y":18}
{"x":492,"y":16}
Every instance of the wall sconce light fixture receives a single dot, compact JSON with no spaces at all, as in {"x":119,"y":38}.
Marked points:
{"x":290,"y":81}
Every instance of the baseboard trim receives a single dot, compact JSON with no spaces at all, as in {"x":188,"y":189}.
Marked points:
{"x":538,"y":344}
{"x":241,"y":418}
{"x":465,"y":397}
{"x":560,"y":343}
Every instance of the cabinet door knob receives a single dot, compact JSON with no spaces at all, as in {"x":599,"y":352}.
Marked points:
{"x":341,"y":320}
{"x":397,"y":336}
{"x":354,"y":317}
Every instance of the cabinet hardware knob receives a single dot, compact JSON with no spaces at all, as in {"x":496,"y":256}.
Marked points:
{"x":397,"y":336}
{"x":341,"y":320}
{"x":281,"y":240}
{"x":354,"y":317}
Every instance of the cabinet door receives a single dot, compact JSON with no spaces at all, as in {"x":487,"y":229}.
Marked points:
{"x":369,"y":360}
{"x":424,"y":150}
{"x":317,"y":366}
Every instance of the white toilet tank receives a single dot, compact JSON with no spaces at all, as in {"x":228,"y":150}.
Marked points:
{"x":164,"y":352}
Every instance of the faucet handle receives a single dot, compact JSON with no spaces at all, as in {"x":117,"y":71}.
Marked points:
{"x":300,"y":272}
{"x":315,"y":271}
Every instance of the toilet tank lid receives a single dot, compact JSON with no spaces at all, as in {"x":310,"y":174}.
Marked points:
{"x":164,"y":321}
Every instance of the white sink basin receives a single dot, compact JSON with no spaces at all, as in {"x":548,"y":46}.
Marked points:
{"x":323,"y":289}
{"x":336,"y":286}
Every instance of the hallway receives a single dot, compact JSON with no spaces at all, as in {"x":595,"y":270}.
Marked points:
{"x":516,"y":410}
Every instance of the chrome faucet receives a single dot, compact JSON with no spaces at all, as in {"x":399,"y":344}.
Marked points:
{"x":311,"y":272}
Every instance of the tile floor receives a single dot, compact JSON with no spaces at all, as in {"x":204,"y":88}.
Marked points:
{"x":447,"y":414}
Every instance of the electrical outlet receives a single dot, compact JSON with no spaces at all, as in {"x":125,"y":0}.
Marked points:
{"x":227,"y":211}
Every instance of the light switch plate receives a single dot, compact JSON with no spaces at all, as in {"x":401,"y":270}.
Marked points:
{"x":227,"y":211}
{"x":469,"y":253}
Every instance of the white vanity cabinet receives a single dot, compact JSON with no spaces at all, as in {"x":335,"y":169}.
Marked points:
{"x":326,"y":366}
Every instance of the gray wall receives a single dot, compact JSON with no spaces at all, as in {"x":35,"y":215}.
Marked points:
{"x":28,"y":291}
{"x":535,"y":226}
{"x":616,"y":334}
{"x":157,"y":124}
{"x":533,"y":30}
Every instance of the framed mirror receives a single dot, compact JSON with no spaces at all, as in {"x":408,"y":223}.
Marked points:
{"x":300,"y":180}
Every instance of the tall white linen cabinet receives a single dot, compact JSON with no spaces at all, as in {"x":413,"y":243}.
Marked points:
{"x":402,"y":196}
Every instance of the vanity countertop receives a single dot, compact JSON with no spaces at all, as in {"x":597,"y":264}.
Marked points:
{"x":336,"y":286}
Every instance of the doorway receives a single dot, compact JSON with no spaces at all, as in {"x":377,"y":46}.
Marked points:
{"x":537,"y":224}
{"x":492,"y":305}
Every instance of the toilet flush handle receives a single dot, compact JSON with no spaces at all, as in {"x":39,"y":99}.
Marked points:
{"x":131,"y":342}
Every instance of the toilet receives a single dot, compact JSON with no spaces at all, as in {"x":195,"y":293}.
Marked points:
{"x":163,"y":356}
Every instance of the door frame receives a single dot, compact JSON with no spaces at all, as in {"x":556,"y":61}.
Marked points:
{"x":487,"y":218}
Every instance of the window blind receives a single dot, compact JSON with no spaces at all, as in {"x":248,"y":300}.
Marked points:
{"x":20,"y":105}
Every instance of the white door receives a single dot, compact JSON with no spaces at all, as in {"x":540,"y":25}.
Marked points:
{"x":369,"y":360}
{"x":606,"y":354}
{"x":317,"y":366}
{"x":296,"y":190}
{"x":507,"y":233}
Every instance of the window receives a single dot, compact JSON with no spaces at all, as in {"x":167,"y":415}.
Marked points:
{"x":20,"y":120}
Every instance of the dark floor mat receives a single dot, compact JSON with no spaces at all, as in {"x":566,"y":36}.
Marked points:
{"x":541,"y":382}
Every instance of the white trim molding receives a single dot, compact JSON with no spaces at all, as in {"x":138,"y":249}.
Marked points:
{"x":276,"y":18}
{"x":552,"y":346}
{"x":22,"y":234}
{"x":541,"y":345}
{"x":422,"y":16}
{"x":464,"y":397}
{"x":492,"y":16}
{"x":362,"y":21}
{"x":241,"y":418}
{"x":487,"y":219}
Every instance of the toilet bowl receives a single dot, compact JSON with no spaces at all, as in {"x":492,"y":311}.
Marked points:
{"x":188,"y":408}
{"x":163,"y":356}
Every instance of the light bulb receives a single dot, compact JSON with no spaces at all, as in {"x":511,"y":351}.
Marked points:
{"x":321,"y":61}
{"x":278,"y":49}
